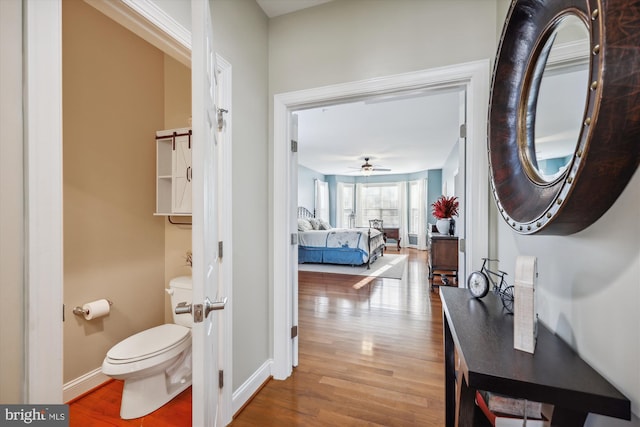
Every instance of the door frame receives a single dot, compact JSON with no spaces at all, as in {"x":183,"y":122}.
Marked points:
{"x":43,"y":178}
{"x":43,"y":201}
{"x":474,"y":76}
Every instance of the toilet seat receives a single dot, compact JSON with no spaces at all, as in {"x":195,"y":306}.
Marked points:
{"x":148,"y":343}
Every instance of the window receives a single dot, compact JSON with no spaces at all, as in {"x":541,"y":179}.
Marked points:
{"x":321,"y":208}
{"x":414,"y":207}
{"x":379,"y":201}
{"x":347,"y":208}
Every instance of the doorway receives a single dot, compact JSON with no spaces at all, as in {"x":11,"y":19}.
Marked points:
{"x":43,"y":29}
{"x":473,"y":76}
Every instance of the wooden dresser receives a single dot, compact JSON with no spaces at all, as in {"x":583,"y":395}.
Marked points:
{"x":393,"y":234}
{"x":443,"y":258}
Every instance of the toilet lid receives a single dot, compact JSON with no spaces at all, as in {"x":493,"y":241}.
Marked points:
{"x":149,"y":343}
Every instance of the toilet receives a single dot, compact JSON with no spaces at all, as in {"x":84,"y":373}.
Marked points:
{"x":155,"y":364}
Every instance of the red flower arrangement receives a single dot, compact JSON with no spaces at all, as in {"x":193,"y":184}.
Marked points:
{"x":445,"y":207}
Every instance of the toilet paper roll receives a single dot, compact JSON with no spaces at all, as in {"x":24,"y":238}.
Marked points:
{"x":95,"y":309}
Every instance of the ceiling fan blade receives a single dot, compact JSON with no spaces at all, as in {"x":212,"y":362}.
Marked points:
{"x":381,"y":169}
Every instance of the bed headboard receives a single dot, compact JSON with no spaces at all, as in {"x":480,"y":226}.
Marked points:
{"x":304,"y":213}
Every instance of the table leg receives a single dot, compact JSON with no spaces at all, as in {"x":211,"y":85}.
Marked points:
{"x":466,"y":411}
{"x":449,"y":375}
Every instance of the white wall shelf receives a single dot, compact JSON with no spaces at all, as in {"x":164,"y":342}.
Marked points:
{"x":173,"y":172}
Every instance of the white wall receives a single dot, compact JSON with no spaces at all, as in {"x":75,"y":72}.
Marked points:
{"x":343,"y":41}
{"x":449,"y":172}
{"x":589,"y":290}
{"x":240,"y":36}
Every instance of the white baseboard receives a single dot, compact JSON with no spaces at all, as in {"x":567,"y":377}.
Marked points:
{"x":242,"y":395}
{"x":83,"y":384}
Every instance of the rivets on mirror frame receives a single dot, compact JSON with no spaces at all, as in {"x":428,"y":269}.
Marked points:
{"x":596,"y":49}
{"x":520,"y":228}
{"x":594,"y":85}
{"x":594,"y":14}
{"x":538,"y":224}
{"x":559,"y":201}
{"x":549,"y":215}
{"x":579,"y":153}
{"x":587,"y":121}
{"x":528,"y":228}
{"x":569,"y":180}
{"x":513,"y":224}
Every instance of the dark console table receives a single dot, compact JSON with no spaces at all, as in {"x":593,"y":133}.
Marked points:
{"x":481,"y":334}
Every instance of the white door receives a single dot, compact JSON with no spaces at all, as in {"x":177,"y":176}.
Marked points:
{"x":294,"y":227}
{"x":205,"y":219}
{"x":460,"y":187}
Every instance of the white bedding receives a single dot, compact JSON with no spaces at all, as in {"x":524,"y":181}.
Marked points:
{"x":337,"y":238}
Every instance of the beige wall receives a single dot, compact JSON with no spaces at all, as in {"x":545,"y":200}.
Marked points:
{"x":113,"y":102}
{"x":11,"y":203}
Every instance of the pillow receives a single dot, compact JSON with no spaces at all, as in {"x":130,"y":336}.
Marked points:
{"x":315,"y":223}
{"x":324,"y":225}
{"x":304,"y":225}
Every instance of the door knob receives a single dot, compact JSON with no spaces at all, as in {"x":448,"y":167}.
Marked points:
{"x":201,"y":311}
{"x":209,"y":305}
{"x":183,"y":308}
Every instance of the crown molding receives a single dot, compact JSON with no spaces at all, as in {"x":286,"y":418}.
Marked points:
{"x":145,"y":19}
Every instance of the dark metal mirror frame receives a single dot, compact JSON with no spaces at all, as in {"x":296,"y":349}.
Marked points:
{"x":608,"y":148}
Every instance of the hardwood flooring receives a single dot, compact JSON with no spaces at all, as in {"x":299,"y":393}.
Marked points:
{"x":370,"y":354}
{"x":101,"y":408}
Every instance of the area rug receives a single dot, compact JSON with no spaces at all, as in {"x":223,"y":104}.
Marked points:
{"x":390,"y":266}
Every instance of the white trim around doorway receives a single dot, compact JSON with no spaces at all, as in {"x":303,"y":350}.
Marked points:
{"x":43,"y":201}
{"x":474,"y":76}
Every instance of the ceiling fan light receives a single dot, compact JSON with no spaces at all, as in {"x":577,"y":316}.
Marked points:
{"x":366,"y":170}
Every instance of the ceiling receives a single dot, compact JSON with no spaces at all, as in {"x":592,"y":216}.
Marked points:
{"x":275,"y":8}
{"x":405,"y":133}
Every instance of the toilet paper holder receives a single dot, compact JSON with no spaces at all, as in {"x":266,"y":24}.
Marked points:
{"x":79,"y":311}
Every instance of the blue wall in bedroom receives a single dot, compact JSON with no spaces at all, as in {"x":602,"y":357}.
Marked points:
{"x":307,"y":176}
{"x":306,"y":186}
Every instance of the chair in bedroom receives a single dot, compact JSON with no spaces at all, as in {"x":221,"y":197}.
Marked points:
{"x":391,"y":235}
{"x":378,"y":225}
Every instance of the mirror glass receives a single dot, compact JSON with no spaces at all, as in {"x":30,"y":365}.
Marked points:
{"x":558,"y":98}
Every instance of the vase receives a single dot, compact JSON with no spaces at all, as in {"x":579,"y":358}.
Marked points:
{"x":443,"y":225}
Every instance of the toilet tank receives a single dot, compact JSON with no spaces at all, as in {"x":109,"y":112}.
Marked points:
{"x":180,"y":290}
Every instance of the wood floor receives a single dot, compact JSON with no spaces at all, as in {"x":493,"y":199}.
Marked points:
{"x":370,"y":354}
{"x":101,"y":408}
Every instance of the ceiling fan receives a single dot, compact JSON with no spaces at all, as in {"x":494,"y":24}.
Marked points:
{"x":367,"y":168}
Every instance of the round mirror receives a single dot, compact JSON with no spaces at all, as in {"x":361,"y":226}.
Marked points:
{"x":600,"y":154}
{"x":557,"y":101}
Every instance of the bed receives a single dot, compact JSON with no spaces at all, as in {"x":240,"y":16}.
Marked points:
{"x":320,"y":243}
